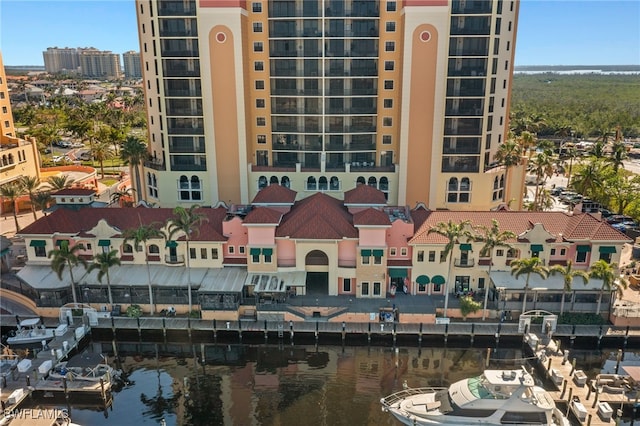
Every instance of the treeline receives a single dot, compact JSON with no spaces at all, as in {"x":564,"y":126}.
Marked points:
{"x":589,"y":105}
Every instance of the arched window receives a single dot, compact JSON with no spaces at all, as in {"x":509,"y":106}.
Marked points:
{"x":184,"y":182}
{"x":513,"y":253}
{"x":465,"y":184}
{"x":360,"y":180}
{"x":148,"y":178}
{"x":127,"y":248}
{"x":453,"y":184}
{"x":262,"y":182}
{"x":323,"y":185}
{"x":502,"y":181}
{"x":195,"y":182}
{"x":10,"y":158}
{"x":384,"y":184}
{"x":465,"y":188}
{"x":311,"y":183}
{"x":285,"y":182}
{"x":196,"y":190}
{"x":495,"y":183}
{"x":373,"y":182}
{"x":154,"y":249}
{"x":334,"y":184}
{"x":190,"y":190}
{"x":273,"y":180}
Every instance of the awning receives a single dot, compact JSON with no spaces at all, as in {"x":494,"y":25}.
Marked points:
{"x":171,"y":244}
{"x":536,"y":247}
{"x":438,"y":279}
{"x":365,"y":253}
{"x":398,"y":273}
{"x":378,"y":253}
{"x":465,"y":247}
{"x":104,"y":243}
{"x":38,"y":243}
{"x":607,"y":249}
{"x":422,"y":279}
{"x":554,"y":283}
{"x":267,"y":251}
{"x":584,"y":249}
{"x":254,"y":251}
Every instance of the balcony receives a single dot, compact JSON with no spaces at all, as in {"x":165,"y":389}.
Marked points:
{"x":174,"y":260}
{"x":464,"y":263}
{"x":155,"y":164}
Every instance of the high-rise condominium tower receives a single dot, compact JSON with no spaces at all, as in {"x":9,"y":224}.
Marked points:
{"x":411,"y":97}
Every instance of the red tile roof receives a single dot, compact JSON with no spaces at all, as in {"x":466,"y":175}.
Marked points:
{"x":275,"y":194}
{"x":563,"y":225}
{"x":318,"y":217}
{"x":419,"y":215}
{"x":67,"y":221}
{"x":263,"y":215}
{"x":365,"y":194}
{"x":371,"y":217}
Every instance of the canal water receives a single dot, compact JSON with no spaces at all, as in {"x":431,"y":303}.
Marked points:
{"x":236,"y":384}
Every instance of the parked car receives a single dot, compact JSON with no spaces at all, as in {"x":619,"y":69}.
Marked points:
{"x":85,"y":156}
{"x":605,"y":213}
{"x":77,"y":145}
{"x":564,"y":195}
{"x":59,"y":158}
{"x":619,"y":218}
{"x":558,"y":190}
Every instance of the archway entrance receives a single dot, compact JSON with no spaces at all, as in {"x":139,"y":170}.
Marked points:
{"x":317,"y":267}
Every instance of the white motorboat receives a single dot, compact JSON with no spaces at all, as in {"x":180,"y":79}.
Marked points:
{"x":497,"y":397}
{"x":30,"y":331}
{"x":89,"y":367}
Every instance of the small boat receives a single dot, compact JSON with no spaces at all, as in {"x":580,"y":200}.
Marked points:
{"x":8,"y":361}
{"x":497,"y":397}
{"x":89,"y":367}
{"x":30,"y":331}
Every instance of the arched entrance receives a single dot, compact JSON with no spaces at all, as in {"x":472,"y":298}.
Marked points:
{"x":317,"y":266}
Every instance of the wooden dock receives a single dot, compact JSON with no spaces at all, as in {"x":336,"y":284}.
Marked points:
{"x":572,"y":383}
{"x":32,"y":378}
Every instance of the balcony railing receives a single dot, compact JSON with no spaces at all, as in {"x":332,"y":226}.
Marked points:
{"x":174,"y":260}
{"x":464,"y":263}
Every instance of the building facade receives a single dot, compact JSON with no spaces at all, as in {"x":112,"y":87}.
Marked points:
{"x":410,"y":97}
{"x":18,"y":157}
{"x":244,"y":256}
{"x":64,"y":59}
{"x":102,"y":64}
{"x":132,"y":66}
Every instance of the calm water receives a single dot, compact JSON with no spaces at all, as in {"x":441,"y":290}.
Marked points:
{"x":280,"y":385}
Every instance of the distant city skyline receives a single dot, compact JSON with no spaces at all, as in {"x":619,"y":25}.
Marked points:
{"x":550,"y":32}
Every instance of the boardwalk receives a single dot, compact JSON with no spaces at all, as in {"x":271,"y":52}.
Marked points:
{"x":571,"y":383}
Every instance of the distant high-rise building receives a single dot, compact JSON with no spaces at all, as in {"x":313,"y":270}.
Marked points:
{"x":132,"y":64}
{"x":100,"y":64}
{"x":6,"y":116}
{"x":61,"y":59}
{"x":408,"y":96}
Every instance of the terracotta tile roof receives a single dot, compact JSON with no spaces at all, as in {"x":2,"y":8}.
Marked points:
{"x":419,"y":215}
{"x":275,"y":194}
{"x":68,"y":192}
{"x":67,"y":221}
{"x":371,"y":217}
{"x":319,"y":216}
{"x":572,"y":227}
{"x":263,"y":215}
{"x":364,"y":194}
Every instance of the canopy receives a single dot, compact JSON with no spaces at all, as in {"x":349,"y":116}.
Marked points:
{"x":505,"y":280}
{"x":438,"y":280}
{"x":422,"y":279}
{"x":397,"y":272}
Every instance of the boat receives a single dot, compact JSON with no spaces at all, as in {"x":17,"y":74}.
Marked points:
{"x":8,"y":361}
{"x":496,"y":397}
{"x":30,"y":331}
{"x":87,"y":366}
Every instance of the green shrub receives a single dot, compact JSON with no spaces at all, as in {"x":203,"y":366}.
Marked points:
{"x":134,"y":311}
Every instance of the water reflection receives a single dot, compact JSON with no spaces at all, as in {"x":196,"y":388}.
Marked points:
{"x":283,"y":385}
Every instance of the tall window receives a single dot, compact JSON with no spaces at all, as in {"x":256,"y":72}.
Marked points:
{"x":189,"y":189}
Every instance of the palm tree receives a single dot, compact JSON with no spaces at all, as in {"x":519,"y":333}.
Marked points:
{"x":509,"y":155}
{"x":542,"y":166}
{"x":67,"y":257}
{"x":140,"y":236}
{"x":123,"y":198}
{"x":607,"y":272}
{"x":453,"y":232}
{"x":101,"y":152}
{"x":41,"y":200}
{"x":532,"y":265}
{"x":568,"y":274}
{"x":12,"y":191}
{"x":589,"y":179}
{"x":29,"y":185}
{"x":133,"y":152}
{"x":58,"y":182}
{"x":102,"y":262}
{"x":492,"y":238}
{"x":186,"y":221}
{"x":618,"y":155}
